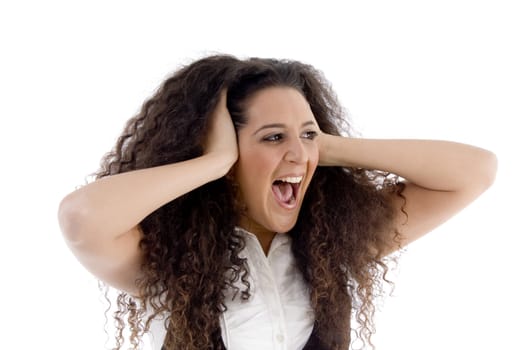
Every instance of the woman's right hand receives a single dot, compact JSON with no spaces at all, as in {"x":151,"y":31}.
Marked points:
{"x":221,"y":138}
{"x":100,"y":221}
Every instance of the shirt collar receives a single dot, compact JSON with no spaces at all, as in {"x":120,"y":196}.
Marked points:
{"x":278,"y":240}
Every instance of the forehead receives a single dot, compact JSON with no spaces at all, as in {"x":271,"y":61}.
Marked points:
{"x":278,"y":104}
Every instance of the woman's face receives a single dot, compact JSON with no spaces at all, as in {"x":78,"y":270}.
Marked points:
{"x":278,"y":154}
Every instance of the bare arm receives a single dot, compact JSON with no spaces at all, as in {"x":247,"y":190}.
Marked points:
{"x":100,"y":220}
{"x":442,"y":177}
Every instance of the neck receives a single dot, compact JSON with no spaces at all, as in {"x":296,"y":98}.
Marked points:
{"x":263,"y":235}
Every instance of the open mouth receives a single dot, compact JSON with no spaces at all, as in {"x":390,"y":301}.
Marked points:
{"x":286,"y":190}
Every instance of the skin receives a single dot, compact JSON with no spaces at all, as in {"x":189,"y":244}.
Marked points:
{"x":278,"y":140}
{"x":100,"y":221}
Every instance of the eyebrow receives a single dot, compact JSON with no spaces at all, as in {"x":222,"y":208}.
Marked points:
{"x":280,"y":125}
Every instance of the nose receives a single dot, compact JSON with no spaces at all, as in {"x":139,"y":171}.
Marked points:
{"x":296,"y":152}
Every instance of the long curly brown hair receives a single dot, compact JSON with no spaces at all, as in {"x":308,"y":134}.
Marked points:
{"x":190,"y":246}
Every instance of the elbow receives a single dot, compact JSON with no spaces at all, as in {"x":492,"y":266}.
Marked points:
{"x":489,"y":171}
{"x":71,"y":219}
{"x":483,"y":175}
{"x":478,"y":174}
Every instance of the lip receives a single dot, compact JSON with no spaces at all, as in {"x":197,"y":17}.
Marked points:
{"x":297,"y":191}
{"x":290,"y":175}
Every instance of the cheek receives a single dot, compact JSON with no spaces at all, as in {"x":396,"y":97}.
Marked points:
{"x":314,"y":155}
{"x":259,"y":168}
{"x":254,"y":169}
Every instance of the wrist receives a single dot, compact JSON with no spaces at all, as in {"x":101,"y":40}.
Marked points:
{"x":220,"y":163}
{"x":327,"y":149}
{"x":337,"y":150}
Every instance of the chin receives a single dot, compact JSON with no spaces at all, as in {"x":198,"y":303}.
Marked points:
{"x":284,"y":227}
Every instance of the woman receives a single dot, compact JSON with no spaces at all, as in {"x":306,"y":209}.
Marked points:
{"x":233,"y":213}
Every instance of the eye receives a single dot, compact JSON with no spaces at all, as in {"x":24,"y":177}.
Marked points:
{"x":273,"y":137}
{"x":311,"y":135}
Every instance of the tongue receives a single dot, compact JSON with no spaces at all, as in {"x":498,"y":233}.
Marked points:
{"x":283,"y":191}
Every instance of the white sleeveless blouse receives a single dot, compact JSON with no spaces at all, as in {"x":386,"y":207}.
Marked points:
{"x":278,"y":314}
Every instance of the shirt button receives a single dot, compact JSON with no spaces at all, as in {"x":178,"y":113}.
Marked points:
{"x":280,"y":338}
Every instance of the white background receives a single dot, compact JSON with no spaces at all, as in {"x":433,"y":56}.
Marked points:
{"x":72,"y":73}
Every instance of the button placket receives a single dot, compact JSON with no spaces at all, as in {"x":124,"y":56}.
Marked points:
{"x":281,"y":325}
{"x":271,"y":294}
{"x":267,"y":283}
{"x":280,"y":338}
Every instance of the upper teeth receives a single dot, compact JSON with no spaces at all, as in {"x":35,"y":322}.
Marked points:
{"x":292,"y":179}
